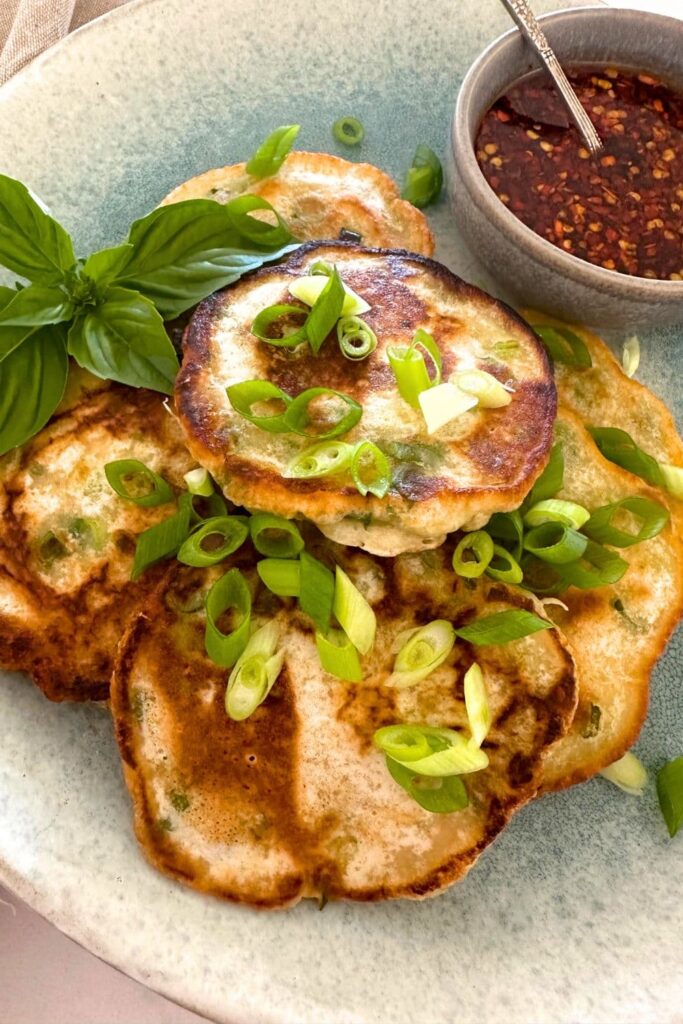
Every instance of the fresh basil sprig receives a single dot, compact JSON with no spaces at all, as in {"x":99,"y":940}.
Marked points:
{"x":108,"y":311}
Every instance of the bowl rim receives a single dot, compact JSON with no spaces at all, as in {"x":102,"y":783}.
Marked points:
{"x":623,"y":286}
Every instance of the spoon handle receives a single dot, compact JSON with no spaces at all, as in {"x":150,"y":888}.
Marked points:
{"x":532,"y":31}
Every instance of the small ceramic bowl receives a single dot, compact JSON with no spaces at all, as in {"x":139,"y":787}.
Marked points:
{"x":536,"y":272}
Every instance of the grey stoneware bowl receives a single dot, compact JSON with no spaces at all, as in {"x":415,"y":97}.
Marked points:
{"x":534,"y":271}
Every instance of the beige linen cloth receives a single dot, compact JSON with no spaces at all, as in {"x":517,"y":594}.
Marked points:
{"x":27,"y":27}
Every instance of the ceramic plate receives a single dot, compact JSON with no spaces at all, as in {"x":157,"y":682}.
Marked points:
{"x":576,"y":912}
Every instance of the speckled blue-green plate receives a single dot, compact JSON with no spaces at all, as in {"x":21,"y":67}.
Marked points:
{"x":576,"y":912}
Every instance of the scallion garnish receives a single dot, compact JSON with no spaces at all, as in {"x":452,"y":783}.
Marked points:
{"x":275,"y":536}
{"x":552,"y":510}
{"x":164,"y":539}
{"x":199,"y":482}
{"x":670,"y":794}
{"x":596,"y":568}
{"x":541,"y":577}
{"x":473,"y":554}
{"x":309,"y":288}
{"x":650,"y":516}
{"x":349,"y":131}
{"x":410,"y":369}
{"x":228,"y":592}
{"x":477,"y":705}
{"x":488,"y":391}
{"x":338,"y":415}
{"x":673,"y":479}
{"x":403,"y":743}
{"x":317,"y":588}
{"x":504,"y":567}
{"x":282,"y":576}
{"x":356,"y":340}
{"x":620,"y":448}
{"x":564,"y":346}
{"x":134,"y":481}
{"x":249,"y":393}
{"x":274,"y":325}
{"x":450,"y":753}
{"x":271,"y":154}
{"x":353,"y":613}
{"x":338,"y":656}
{"x":507,"y":527}
{"x":439,"y":796}
{"x":325,"y":312}
{"x":553,"y":542}
{"x":370,"y":469}
{"x":324,"y":459}
{"x":424,"y":179}
{"x":628,"y":774}
{"x":630,"y":356}
{"x":442,"y":403}
{"x":551,"y":479}
{"x":203,"y":508}
{"x":213,"y":541}
{"x":255,"y":673}
{"x":423,"y":650}
{"x":502,"y":627}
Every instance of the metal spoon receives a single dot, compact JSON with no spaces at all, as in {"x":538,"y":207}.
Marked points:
{"x":533,"y":33}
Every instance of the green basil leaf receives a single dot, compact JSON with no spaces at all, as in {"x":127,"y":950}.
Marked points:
{"x":32,"y":381}
{"x":36,"y":305}
{"x":325,"y":312}
{"x":261,"y":233}
{"x":105,"y":266}
{"x":271,"y":154}
{"x":32,"y":243}
{"x":10,"y":337}
{"x":123,"y":338}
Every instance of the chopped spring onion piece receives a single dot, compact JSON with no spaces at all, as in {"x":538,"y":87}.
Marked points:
{"x":541,"y":577}
{"x":51,"y":548}
{"x":213,"y":541}
{"x":564,"y":346}
{"x":440,"y":796}
{"x":673,"y":479}
{"x":281,"y":325}
{"x":298,"y":416}
{"x":507,"y":527}
{"x":552,"y":510}
{"x":228,"y":592}
{"x":479,"y":547}
{"x":653,"y":518}
{"x":326,"y":311}
{"x":403,"y":743}
{"x":489,"y":392}
{"x":553,"y":542}
{"x":596,"y":568}
{"x":670,"y":794}
{"x":505,"y":348}
{"x":370,"y":469}
{"x":620,"y":448}
{"x":324,"y":459}
{"x":88,"y":531}
{"x":271,"y":154}
{"x":353,"y":613}
{"x":627,"y":773}
{"x":443,"y":403}
{"x":262,"y":233}
{"x":244,"y":396}
{"x":630,"y":356}
{"x":282,"y":576}
{"x":338,"y":656}
{"x":424,"y":179}
{"x":349,"y":131}
{"x":255,"y":672}
{"x":451,"y":754}
{"x":308,"y":289}
{"x":162,"y":540}
{"x":274,"y":536}
{"x":207,"y":508}
{"x":199,"y":482}
{"x":504,"y":567}
{"x":551,"y":479}
{"x":317,"y":588}
{"x":502,"y":627}
{"x":356,"y":340}
{"x":477,"y":705}
{"x":410,"y":369}
{"x":134,"y":481}
{"x":322,"y":267}
{"x":424,"y":650}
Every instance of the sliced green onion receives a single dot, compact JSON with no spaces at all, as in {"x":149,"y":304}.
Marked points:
{"x":203,"y":508}
{"x":630,"y":356}
{"x":163,"y":540}
{"x":370,"y":469}
{"x":628,"y":774}
{"x":541,"y":577}
{"x":262,"y":233}
{"x":477,"y":705}
{"x":488,"y":391}
{"x":349,"y":131}
{"x":230,"y":591}
{"x":338,"y":656}
{"x":325,"y":312}
{"x":457,"y":757}
{"x":244,"y":396}
{"x":51,"y":548}
{"x":597,"y":567}
{"x":439,"y":796}
{"x":274,"y":325}
{"x":353,"y":613}
{"x":424,"y":179}
{"x":423,"y":652}
{"x":322,"y":267}
{"x":504,"y":567}
{"x":551,"y":479}
{"x":356,"y":340}
{"x":410,"y":369}
{"x":88,"y":532}
{"x":620,"y":448}
{"x":282,"y":576}
{"x":563,"y":346}
{"x":271,"y":154}
{"x":673,"y":479}
{"x":255,"y":673}
{"x":502,"y":627}
{"x":324,"y":459}
{"x":552,"y":510}
{"x":213,"y":541}
{"x":653,"y":518}
{"x":309,"y":288}
{"x":443,"y":403}
{"x":508,"y":528}
{"x":403,"y":743}
{"x":134,"y":481}
{"x":275,"y":536}
{"x":298,"y":415}
{"x":480,"y":548}
{"x":505,"y":348}
{"x":670,"y":794}
{"x":317,"y":589}
{"x":555,"y":543}
{"x":199,"y":482}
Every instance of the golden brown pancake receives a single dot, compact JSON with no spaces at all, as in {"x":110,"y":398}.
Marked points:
{"x":296,"y":801}
{"x":318,"y":196}
{"x":484,"y":461}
